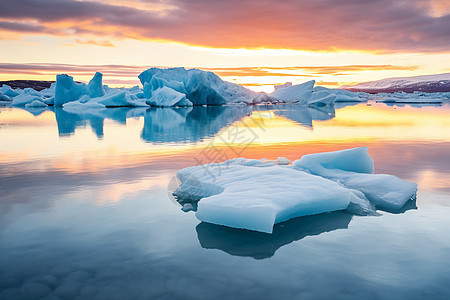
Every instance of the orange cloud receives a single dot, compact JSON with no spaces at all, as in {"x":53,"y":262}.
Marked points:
{"x":326,"y":25}
{"x":96,"y":43}
{"x":133,"y":71}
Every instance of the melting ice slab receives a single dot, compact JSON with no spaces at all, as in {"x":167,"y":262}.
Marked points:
{"x":256,"y":194}
{"x":353,"y":169}
{"x":252,"y":195}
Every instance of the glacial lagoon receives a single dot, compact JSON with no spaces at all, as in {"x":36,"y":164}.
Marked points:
{"x":87,"y":211}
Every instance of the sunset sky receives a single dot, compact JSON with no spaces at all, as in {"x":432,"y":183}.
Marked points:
{"x":257,"y":43}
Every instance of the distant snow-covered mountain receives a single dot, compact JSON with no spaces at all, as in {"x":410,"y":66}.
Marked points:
{"x":426,"y":83}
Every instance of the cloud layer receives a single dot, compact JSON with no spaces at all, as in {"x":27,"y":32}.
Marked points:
{"x":133,"y":71}
{"x":126,"y":75}
{"x":319,"y":25}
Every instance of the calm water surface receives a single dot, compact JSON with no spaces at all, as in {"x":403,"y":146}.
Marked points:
{"x":86,"y":211}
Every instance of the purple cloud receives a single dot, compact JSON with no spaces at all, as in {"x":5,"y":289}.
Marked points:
{"x":386,"y":25}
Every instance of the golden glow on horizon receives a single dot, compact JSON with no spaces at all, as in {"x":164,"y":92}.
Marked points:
{"x":257,"y":69}
{"x":26,"y":144}
{"x":352,"y":124}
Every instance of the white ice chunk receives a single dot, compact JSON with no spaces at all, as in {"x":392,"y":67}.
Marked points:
{"x":254,"y":195}
{"x":165,"y":97}
{"x":283,"y":161}
{"x":300,"y":93}
{"x":36,"y":103}
{"x":353,"y":168}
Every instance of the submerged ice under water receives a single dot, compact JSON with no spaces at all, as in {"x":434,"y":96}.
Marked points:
{"x":85,"y":210}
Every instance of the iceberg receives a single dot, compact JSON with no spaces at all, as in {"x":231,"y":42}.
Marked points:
{"x":67,"y":90}
{"x":8,"y":91}
{"x":353,"y":168}
{"x":321,"y":99}
{"x":299,"y":93}
{"x":341,"y":95}
{"x":26,"y":98}
{"x":95,"y":87}
{"x":4,"y":97}
{"x":307,"y":94}
{"x":199,"y":87}
{"x":256,"y":194}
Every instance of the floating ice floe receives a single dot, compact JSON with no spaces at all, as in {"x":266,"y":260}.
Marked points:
{"x":256,"y":194}
{"x":353,"y":168}
{"x":411,"y":98}
{"x":68,"y":93}
{"x":420,"y":100}
{"x":307,"y":94}
{"x":283,"y":161}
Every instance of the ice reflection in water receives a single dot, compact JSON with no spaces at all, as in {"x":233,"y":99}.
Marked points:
{"x":262,"y":245}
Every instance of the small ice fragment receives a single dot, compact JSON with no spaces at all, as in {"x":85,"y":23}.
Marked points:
{"x":187,"y":207}
{"x":283,"y":161}
{"x":36,"y":103}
